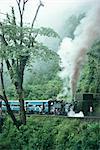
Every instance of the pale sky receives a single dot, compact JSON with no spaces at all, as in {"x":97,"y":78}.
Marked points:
{"x":54,"y":12}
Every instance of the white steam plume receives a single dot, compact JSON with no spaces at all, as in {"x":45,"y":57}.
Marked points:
{"x":73,"y":52}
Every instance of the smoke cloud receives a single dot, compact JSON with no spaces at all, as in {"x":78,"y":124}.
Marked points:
{"x":73,"y":52}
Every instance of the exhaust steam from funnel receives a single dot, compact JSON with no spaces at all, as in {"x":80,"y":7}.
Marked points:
{"x":73,"y":51}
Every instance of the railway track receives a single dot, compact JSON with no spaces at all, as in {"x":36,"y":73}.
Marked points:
{"x":91,"y":118}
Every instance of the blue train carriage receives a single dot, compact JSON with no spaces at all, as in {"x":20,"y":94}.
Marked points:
{"x":31,"y":106}
{"x":3,"y":106}
{"x":14,"y":104}
{"x":36,"y":106}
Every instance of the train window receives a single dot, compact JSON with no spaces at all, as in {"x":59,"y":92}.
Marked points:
{"x":15,"y":105}
{"x":30,"y":105}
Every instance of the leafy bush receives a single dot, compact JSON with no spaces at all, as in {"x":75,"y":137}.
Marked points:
{"x":51,"y":133}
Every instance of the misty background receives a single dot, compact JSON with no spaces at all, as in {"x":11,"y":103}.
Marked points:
{"x":62,"y":15}
{"x":54,"y":14}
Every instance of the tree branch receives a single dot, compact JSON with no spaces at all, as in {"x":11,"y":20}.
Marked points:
{"x":41,"y":4}
{"x":34,"y":19}
{"x":4,"y":97}
{"x":3,"y":39}
{"x":9,"y":67}
{"x":2,"y":35}
{"x":26,"y":1}
{"x":18,"y":3}
{"x":21,"y":12}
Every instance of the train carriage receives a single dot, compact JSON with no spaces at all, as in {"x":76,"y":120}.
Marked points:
{"x":36,"y":106}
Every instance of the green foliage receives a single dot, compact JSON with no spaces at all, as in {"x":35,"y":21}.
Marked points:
{"x":11,"y":94}
{"x":15,"y":50}
{"x":90,"y":77}
{"x":44,"y":82}
{"x":20,"y":46}
{"x":47,"y":90}
{"x":51,"y":133}
{"x":43,"y":31}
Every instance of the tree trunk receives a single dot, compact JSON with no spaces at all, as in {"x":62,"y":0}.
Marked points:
{"x":4,"y":97}
{"x":22,"y":108}
{"x":19,"y":91}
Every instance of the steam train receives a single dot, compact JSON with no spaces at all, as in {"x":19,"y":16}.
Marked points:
{"x":83,"y":102}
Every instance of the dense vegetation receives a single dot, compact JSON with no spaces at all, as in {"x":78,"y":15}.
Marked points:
{"x":90,"y":76}
{"x":42,"y":82}
{"x":51,"y":133}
